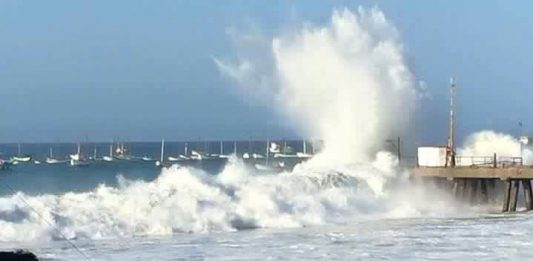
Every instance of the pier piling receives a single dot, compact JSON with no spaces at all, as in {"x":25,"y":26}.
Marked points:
{"x":528,"y":195}
{"x":473,"y":190}
{"x":515,"y":186}
{"x":506,"y":195}
{"x":484,"y":191}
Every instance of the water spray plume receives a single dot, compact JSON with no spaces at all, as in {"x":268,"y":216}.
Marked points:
{"x":345,"y":83}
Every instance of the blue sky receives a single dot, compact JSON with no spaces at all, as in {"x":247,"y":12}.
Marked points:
{"x":142,"y":70}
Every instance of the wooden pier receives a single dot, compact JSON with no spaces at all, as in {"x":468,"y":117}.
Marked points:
{"x":477,"y":184}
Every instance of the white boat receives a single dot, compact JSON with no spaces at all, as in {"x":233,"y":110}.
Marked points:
{"x":146,"y":158}
{"x":36,"y":162}
{"x":257,"y":156}
{"x":78,"y":163}
{"x":170,"y":158}
{"x":195,"y":155}
{"x":76,"y":160}
{"x":303,"y":155}
{"x":54,"y":161}
{"x":23,"y":159}
{"x":282,"y":155}
{"x":20,"y":157}
{"x":51,"y":160}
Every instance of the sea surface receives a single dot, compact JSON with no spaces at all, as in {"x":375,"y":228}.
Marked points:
{"x":226,"y":210}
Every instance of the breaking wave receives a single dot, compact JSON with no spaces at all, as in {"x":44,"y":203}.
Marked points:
{"x":188,"y":200}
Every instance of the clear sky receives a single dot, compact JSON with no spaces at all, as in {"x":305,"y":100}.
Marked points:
{"x":143,"y":70}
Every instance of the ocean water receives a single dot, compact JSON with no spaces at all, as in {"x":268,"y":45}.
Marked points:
{"x":135,"y":211}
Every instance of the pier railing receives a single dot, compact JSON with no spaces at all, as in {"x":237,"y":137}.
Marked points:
{"x":488,"y":161}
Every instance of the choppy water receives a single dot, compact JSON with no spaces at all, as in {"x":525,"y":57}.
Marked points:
{"x":481,"y":238}
{"x":133,"y":211}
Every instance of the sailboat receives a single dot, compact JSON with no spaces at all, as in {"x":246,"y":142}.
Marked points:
{"x":181,"y":157}
{"x":159,"y":163}
{"x":304,"y":154}
{"x":20,"y":157}
{"x":286,"y":152}
{"x":76,"y":160}
{"x":222,"y":155}
{"x":94,"y":157}
{"x":110,"y":157}
{"x":121,"y":153}
{"x":195,"y":155}
{"x":51,"y":160}
{"x":267,"y":166}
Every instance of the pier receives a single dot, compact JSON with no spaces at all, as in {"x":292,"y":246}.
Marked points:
{"x":475,"y":182}
{"x":474,"y":179}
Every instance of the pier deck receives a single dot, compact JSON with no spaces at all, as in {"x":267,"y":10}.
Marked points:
{"x":503,"y":173}
{"x":464,"y":182}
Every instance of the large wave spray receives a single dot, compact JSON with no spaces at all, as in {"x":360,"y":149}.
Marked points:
{"x":486,"y":143}
{"x":345,"y":83}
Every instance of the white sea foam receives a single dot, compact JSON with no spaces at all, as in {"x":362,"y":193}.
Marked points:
{"x":188,"y":200}
{"x":486,"y":143}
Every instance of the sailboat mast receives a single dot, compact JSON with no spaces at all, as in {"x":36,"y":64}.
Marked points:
{"x":304,"y":146}
{"x":186,"y":149}
{"x":51,"y":153}
{"x":267,"y":151}
{"x":162,"y":150}
{"x":221,"y":148}
{"x":19,"y":150}
{"x":451,"y":137}
{"x":79,"y":148}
